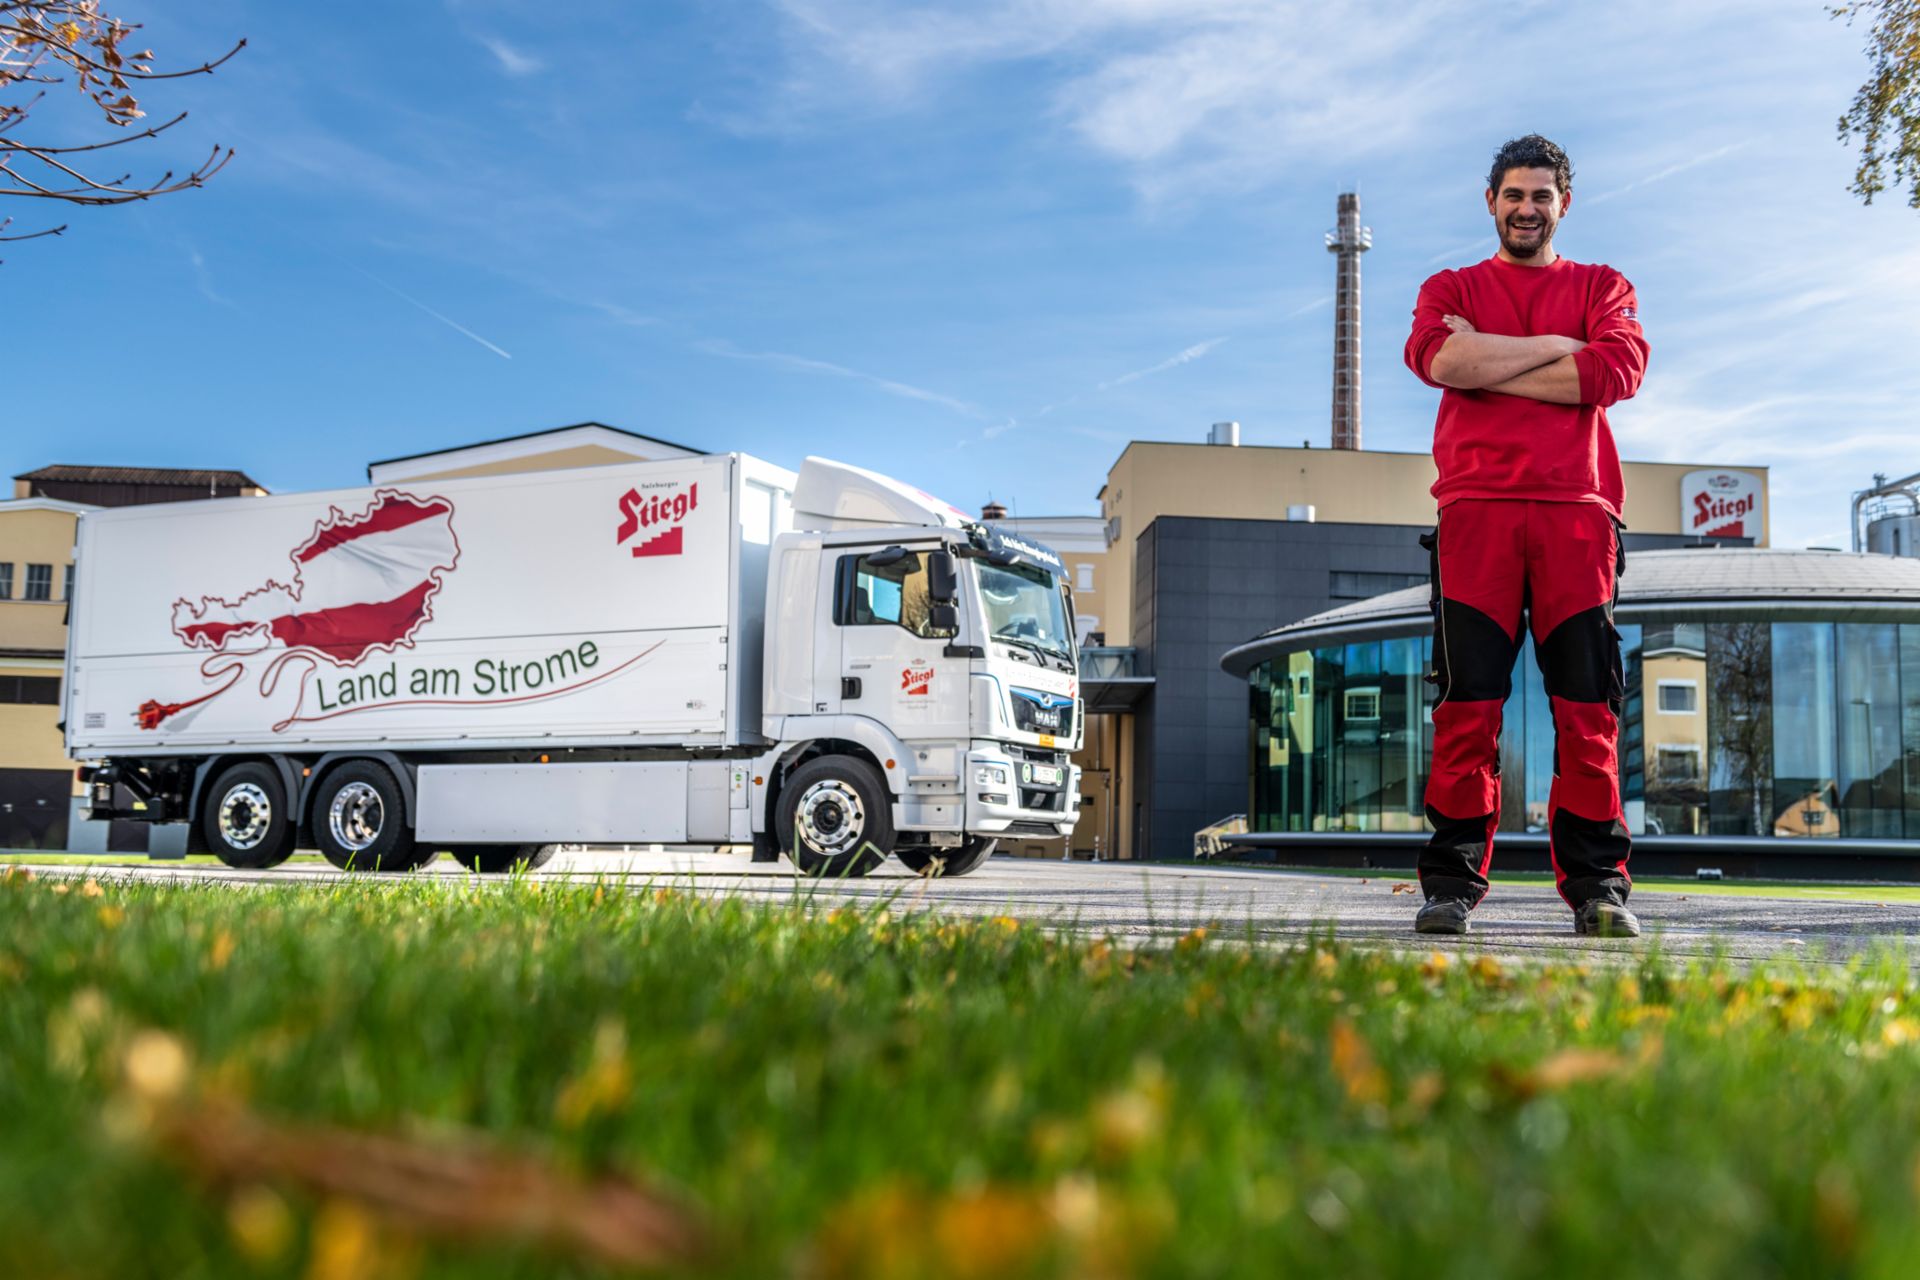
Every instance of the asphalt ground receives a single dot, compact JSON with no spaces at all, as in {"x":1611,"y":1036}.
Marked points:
{"x":1145,"y":902}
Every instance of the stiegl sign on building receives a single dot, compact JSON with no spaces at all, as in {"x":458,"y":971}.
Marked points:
{"x":1720,"y":504}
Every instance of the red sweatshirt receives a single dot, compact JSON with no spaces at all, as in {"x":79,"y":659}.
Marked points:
{"x":1489,"y":445}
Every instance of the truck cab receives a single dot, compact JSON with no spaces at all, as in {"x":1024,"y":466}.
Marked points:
{"x":941,"y":666}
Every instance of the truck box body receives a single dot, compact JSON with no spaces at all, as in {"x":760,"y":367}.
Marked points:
{"x":609,"y":606}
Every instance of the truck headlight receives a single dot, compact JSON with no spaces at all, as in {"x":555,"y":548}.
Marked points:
{"x":990,"y":775}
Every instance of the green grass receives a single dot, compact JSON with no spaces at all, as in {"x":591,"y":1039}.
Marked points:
{"x":54,"y":858}
{"x":874,"y":1093}
{"x":1811,"y":890}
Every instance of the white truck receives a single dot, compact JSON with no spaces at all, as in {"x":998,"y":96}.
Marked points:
{"x":711,"y":650}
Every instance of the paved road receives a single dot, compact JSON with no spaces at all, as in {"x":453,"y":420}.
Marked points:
{"x":1145,"y":902}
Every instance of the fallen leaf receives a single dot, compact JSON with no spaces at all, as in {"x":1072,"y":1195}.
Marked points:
{"x":1403,"y":886}
{"x":1353,"y":1063}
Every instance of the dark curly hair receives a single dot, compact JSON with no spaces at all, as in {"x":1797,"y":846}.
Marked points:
{"x":1532,"y":152}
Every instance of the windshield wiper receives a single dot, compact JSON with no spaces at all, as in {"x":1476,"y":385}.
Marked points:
{"x":1021,"y":642}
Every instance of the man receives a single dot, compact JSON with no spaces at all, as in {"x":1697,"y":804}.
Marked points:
{"x":1528,"y":350}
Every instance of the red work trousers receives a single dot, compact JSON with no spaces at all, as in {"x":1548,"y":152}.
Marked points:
{"x":1558,"y":565}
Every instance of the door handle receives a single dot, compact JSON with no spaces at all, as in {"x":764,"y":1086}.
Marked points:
{"x":849,"y":686}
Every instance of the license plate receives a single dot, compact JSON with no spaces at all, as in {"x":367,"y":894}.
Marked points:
{"x":1047,"y":775}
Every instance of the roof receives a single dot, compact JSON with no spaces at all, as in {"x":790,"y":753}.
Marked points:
{"x":531,"y":435}
{"x":1717,"y":583}
{"x":142,"y":475}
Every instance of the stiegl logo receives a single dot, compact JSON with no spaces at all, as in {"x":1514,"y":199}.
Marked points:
{"x":646,"y":511}
{"x":916,"y":682}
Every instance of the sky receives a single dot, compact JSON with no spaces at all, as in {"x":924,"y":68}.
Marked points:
{"x":976,"y":244}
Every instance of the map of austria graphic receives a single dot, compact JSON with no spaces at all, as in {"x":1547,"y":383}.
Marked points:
{"x":362,"y":590}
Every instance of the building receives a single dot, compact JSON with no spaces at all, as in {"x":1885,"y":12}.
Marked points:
{"x":1215,"y":543}
{"x":1769,"y":694}
{"x":36,"y":581}
{"x":585,"y":444}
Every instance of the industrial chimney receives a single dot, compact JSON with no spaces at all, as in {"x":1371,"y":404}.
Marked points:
{"x":1347,"y":241}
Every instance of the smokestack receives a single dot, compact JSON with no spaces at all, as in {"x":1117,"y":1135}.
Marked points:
{"x":1347,"y":241}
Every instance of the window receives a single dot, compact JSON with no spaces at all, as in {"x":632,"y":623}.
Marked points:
{"x":1679,"y":697}
{"x":1679,"y":764}
{"x":37,"y":691}
{"x":39,"y":582}
{"x":1363,"y":703}
{"x":1347,"y":584}
{"x":6,"y":580}
{"x":68,"y":594}
{"x":895,"y":594}
{"x":1084,"y":580}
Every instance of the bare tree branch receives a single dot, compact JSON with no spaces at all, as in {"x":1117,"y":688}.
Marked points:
{"x":45,"y":42}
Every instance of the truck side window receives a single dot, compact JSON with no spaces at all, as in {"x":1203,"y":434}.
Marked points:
{"x":896,"y":594}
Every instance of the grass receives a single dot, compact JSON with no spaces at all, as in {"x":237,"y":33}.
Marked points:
{"x":1809,"y":890}
{"x":189,"y":1076}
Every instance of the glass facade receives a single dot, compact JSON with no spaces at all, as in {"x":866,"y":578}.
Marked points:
{"x":1804,"y":730}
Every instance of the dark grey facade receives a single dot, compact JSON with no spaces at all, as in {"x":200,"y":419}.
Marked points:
{"x":1201,"y":586}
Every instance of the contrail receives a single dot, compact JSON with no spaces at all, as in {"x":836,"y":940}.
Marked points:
{"x":1193,"y":352}
{"x":806,"y":364}
{"x":451,"y":324}
{"x":1669,"y":171}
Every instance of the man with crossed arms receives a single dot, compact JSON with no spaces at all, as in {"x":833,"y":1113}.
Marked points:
{"x":1528,"y":349}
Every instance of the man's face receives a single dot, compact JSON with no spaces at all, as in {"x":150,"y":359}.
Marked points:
{"x":1527,"y":208}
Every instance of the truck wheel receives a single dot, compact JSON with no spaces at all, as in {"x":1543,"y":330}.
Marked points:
{"x":246,"y":818}
{"x":925,"y":861}
{"x":490,"y":859}
{"x":834,"y":817}
{"x":359,"y":821}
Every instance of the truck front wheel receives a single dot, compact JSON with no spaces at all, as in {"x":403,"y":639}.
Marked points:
{"x":924,"y":861}
{"x":834,"y":818}
{"x":360,"y":821}
{"x":246,"y":818}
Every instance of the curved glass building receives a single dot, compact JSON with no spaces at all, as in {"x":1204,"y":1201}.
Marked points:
{"x":1768,"y":693}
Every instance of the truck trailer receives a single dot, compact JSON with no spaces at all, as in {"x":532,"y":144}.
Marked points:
{"x":829,"y":664}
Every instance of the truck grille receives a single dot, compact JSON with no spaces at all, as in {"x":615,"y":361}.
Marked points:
{"x":1038,"y":712}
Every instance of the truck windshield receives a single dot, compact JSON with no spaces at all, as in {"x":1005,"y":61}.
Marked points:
{"x":1024,"y":607}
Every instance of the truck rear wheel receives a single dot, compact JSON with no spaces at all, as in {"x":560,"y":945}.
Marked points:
{"x":246,"y":818}
{"x":925,"y":861}
{"x":360,"y":822}
{"x":491,"y":859}
{"x":834,"y":817}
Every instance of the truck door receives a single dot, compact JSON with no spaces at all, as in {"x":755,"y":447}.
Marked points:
{"x":894,"y":663}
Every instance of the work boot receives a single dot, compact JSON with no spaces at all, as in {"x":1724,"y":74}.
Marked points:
{"x":1443,"y":915}
{"x":1602,"y":918}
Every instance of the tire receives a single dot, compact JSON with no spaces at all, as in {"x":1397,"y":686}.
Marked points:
{"x":835,"y":818}
{"x":947,"y":863}
{"x":246,"y":818}
{"x":492,"y":859}
{"x":360,"y":823}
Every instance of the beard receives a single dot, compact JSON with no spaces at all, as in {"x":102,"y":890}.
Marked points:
{"x":1525,"y":242}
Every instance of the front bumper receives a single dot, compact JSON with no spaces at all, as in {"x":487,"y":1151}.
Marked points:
{"x":1008,"y":792}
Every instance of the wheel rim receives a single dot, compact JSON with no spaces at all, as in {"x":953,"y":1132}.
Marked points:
{"x":245,"y":815}
{"x":831,"y":817}
{"x":355,"y":817}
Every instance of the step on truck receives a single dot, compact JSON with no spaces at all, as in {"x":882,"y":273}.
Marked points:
{"x":831,"y":664}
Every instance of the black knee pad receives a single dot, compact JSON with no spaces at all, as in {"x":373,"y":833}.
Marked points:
{"x":1580,"y":661}
{"x":1472,"y":655}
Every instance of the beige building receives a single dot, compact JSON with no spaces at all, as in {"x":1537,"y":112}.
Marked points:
{"x":586,"y":444}
{"x":37,"y":783}
{"x":36,"y":577}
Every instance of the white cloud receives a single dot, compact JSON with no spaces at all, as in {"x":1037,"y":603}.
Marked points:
{"x":512,"y":61}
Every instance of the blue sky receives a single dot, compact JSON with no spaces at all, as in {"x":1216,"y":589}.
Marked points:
{"x":979,"y":243}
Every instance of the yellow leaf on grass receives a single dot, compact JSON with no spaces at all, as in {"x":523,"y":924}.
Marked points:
{"x":1353,"y":1064}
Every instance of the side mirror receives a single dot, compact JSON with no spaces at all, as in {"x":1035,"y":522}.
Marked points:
{"x":943,"y":619}
{"x":943,"y":580}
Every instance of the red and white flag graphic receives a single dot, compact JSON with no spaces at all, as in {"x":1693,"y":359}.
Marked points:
{"x":361,"y":584}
